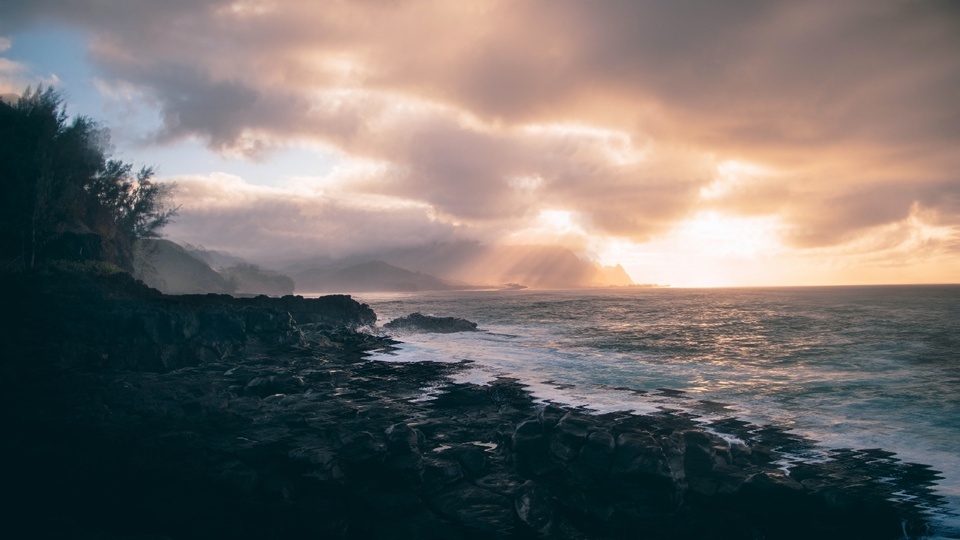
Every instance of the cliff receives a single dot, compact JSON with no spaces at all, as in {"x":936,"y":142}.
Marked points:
{"x":110,"y":320}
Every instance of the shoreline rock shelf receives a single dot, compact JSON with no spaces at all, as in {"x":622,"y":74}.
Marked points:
{"x":292,"y":433}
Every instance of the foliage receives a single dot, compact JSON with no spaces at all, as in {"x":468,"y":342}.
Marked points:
{"x":61,"y":195}
{"x":138,"y":205}
{"x":93,"y":268}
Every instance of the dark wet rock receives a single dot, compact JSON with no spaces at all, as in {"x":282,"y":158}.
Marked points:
{"x":536,"y":508}
{"x":439,"y":473}
{"x":596,"y":454}
{"x":403,"y":453}
{"x":361,"y":448}
{"x":416,"y":322}
{"x":575,"y":426}
{"x":471,"y":458}
{"x":115,"y":322}
{"x":476,"y":508}
{"x":503,"y":391}
{"x":530,"y":448}
{"x":273,"y":385}
{"x":402,"y":438}
{"x":768,"y":483}
{"x":504,"y":481}
{"x":211,"y":417}
{"x":639,"y":455}
{"x":550,"y":415}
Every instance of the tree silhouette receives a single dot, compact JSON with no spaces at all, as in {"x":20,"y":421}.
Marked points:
{"x":57,"y":183}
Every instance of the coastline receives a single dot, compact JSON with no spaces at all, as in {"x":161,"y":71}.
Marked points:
{"x":279,"y":427}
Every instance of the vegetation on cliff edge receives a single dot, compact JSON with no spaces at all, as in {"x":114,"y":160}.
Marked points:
{"x":61,"y":194}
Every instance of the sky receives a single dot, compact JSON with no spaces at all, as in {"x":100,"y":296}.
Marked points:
{"x":697,"y":143}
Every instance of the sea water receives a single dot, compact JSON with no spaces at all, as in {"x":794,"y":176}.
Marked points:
{"x":847,"y":367}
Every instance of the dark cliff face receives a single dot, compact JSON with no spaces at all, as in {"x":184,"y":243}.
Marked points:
{"x":115,"y":321}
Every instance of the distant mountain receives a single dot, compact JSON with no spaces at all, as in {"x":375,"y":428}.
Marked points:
{"x":543,"y":267}
{"x":367,"y":276}
{"x":176,"y":269}
{"x":251,"y":279}
{"x":439,"y":267}
{"x":246,"y":278}
{"x":612,"y":276}
{"x":216,"y":259}
{"x":170,"y":268}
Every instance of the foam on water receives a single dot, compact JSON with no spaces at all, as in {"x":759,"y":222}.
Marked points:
{"x":873,"y":367}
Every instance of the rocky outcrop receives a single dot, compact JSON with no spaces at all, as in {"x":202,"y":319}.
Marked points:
{"x":613,"y":475}
{"x":416,"y":322}
{"x":115,"y":322}
{"x":310,"y":442}
{"x":292,"y":434}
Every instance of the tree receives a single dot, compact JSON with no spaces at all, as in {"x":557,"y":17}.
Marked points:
{"x":56,"y":180}
{"x":135,"y":207}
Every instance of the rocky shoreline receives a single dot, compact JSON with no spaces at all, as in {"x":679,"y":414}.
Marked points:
{"x":130,"y":414}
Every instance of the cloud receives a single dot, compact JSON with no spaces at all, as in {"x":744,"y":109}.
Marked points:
{"x":483,"y":115}
{"x":12,"y":74}
{"x":272,"y":225}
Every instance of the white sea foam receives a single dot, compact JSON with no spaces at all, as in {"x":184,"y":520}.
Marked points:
{"x":848,"y":367}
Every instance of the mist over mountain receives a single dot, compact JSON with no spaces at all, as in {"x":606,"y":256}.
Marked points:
{"x":176,"y":269}
{"x":245,"y":277}
{"x":251,"y":279}
{"x":366,"y":276}
{"x":216,"y":259}
{"x":459,"y":265}
{"x":541,"y":267}
{"x":173,"y":269}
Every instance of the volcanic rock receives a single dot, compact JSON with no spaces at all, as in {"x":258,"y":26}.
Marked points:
{"x":276,"y":433}
{"x":416,"y":322}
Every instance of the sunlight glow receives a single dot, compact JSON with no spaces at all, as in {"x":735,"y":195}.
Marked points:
{"x":925,"y":232}
{"x":552,"y":227}
{"x":559,"y":221}
{"x":730,"y":175}
{"x":720,"y":235}
{"x":710,"y":249}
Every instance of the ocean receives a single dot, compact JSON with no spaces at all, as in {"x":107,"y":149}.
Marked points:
{"x":839,"y":367}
